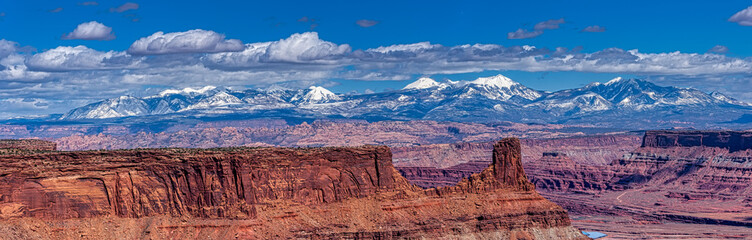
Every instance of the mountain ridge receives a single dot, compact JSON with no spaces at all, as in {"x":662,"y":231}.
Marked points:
{"x":486,"y":99}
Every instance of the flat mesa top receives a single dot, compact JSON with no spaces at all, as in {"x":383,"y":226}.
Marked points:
{"x":15,"y":149}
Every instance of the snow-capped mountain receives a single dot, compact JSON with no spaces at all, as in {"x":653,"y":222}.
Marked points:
{"x":316,"y":94}
{"x":123,"y":106}
{"x":488,"y":99}
{"x":623,"y":95}
{"x":499,"y":87}
{"x":424,"y":83}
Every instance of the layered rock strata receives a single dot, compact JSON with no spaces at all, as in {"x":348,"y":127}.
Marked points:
{"x":265,"y":193}
{"x":730,"y":140}
{"x":28,"y":144}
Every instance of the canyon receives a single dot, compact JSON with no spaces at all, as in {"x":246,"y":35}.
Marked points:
{"x":671,"y":184}
{"x":630,"y":185}
{"x":264,"y":193}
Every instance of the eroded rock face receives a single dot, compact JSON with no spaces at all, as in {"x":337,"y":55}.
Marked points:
{"x":267,"y":193}
{"x":196,"y":183}
{"x":507,"y":164}
{"x":731,"y":140}
{"x":705,"y":182}
{"x":578,"y":164}
{"x":557,"y":172}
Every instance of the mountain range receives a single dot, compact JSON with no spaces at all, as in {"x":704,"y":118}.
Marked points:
{"x":622,"y":103}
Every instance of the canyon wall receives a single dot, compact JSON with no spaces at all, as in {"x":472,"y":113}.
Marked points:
{"x":688,"y":184}
{"x":730,"y":140}
{"x":265,"y":193}
{"x":578,"y":164}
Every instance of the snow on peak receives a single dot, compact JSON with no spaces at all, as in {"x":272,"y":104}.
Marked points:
{"x":187,"y":91}
{"x":613,"y":81}
{"x":499,"y":81}
{"x":422,"y":83}
{"x":721,"y":96}
{"x":318,"y":94}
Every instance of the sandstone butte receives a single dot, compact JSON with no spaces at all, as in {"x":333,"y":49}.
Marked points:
{"x":264,"y":193}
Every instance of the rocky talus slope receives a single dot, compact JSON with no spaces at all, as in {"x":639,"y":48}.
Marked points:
{"x":264,"y":193}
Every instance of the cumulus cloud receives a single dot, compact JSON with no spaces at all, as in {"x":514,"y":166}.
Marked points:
{"x":91,"y":31}
{"x":594,"y":28}
{"x":302,"y":47}
{"x":56,"y":10}
{"x":366,"y":23}
{"x":298,"y":48}
{"x":125,"y":7}
{"x":743,"y":17}
{"x":719,"y":49}
{"x":79,"y":58}
{"x":548,"y":24}
{"x":89,"y":3}
{"x":523,"y":34}
{"x":15,"y":69}
{"x":7,"y":47}
{"x":12,"y":66}
{"x":193,"y":41}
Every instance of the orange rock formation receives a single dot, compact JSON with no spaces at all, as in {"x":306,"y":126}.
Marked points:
{"x":264,"y":193}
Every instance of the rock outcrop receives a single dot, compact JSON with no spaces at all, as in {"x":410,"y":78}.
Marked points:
{"x":265,"y":193}
{"x":507,"y":164}
{"x":731,"y":140}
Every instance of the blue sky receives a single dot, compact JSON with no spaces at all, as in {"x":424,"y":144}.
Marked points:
{"x":332,"y":49}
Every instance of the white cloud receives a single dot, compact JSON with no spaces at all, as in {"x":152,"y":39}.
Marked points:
{"x":298,"y":48}
{"x":719,"y":49}
{"x":91,"y":31}
{"x":252,"y":55}
{"x":523,"y":34}
{"x":15,"y":69}
{"x":193,"y":41}
{"x":12,"y":66}
{"x":743,"y":17}
{"x":414,"y":47}
{"x":7,"y":47}
{"x":79,"y":58}
{"x":303,"y":47}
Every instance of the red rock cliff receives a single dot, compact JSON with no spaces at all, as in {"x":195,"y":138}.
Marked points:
{"x":181,"y":182}
{"x":265,"y":193}
{"x":731,"y":140}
